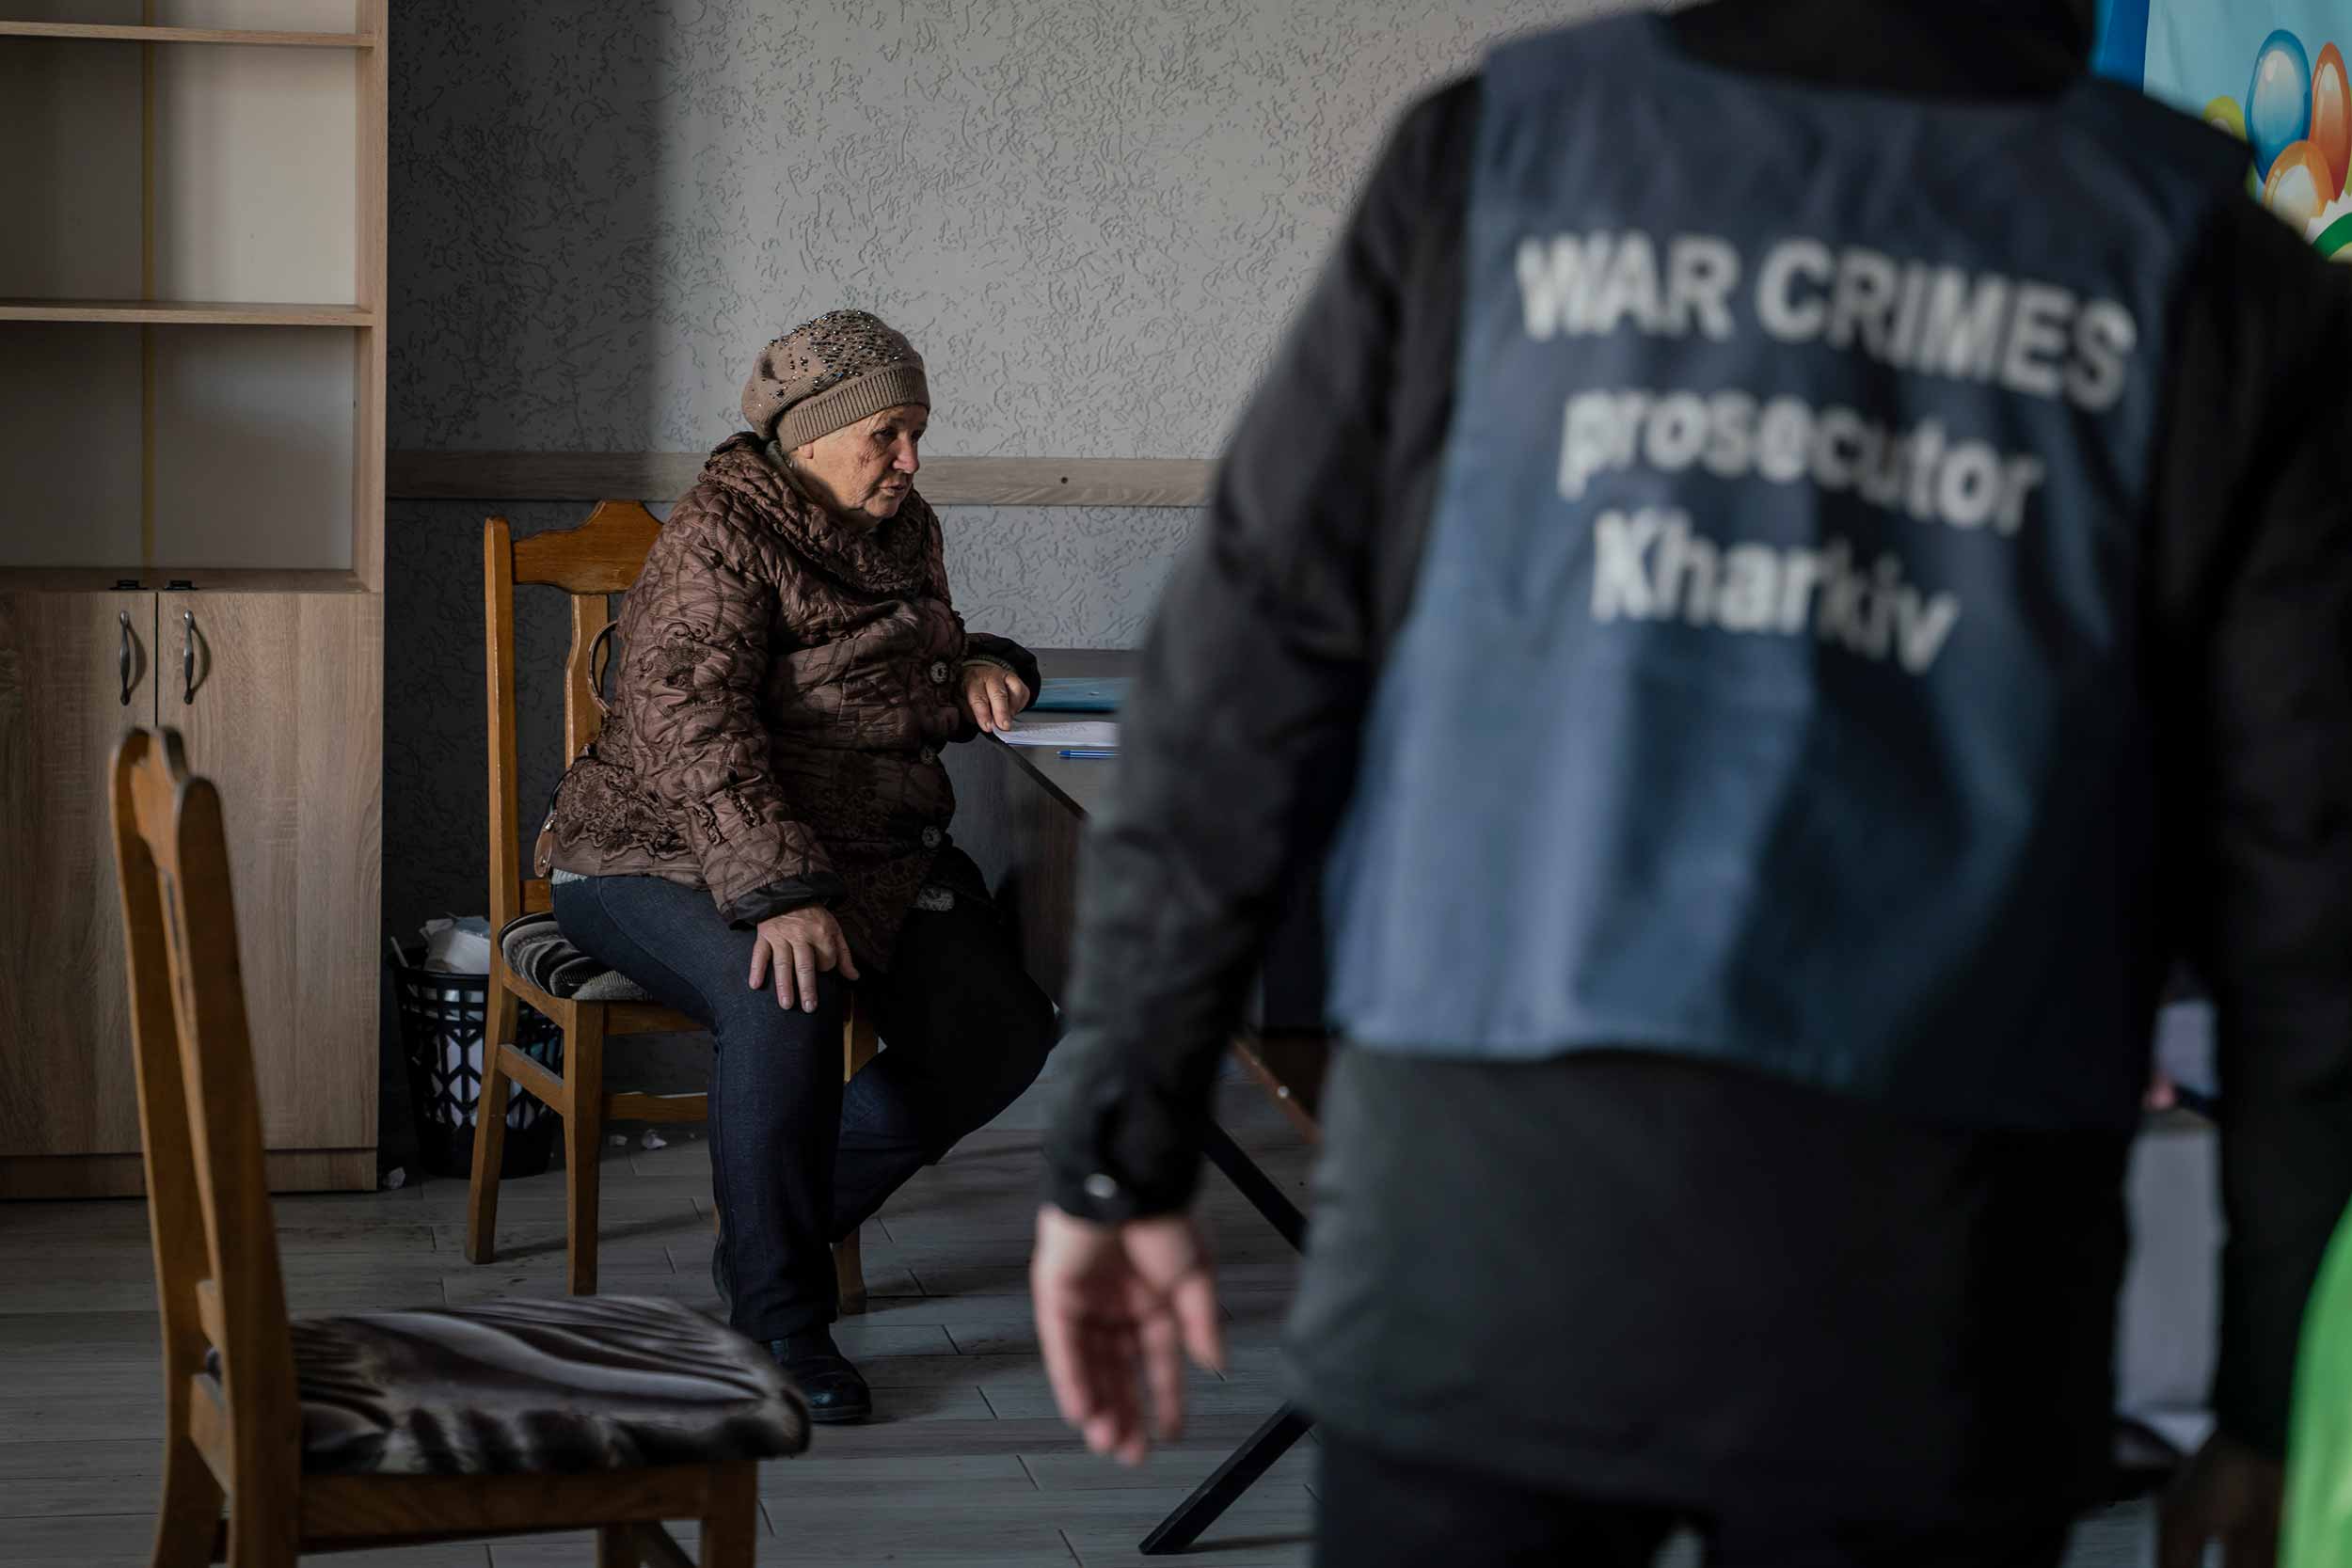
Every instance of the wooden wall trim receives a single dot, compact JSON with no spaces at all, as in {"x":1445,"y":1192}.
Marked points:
{"x":661,"y":476}
{"x":289,"y":1170}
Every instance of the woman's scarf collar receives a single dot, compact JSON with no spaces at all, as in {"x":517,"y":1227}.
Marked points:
{"x":886,"y":558}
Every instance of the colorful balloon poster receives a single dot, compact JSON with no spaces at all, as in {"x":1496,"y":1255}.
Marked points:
{"x":2270,"y":72}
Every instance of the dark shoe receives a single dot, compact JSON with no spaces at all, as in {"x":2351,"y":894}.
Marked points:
{"x":825,"y":1378}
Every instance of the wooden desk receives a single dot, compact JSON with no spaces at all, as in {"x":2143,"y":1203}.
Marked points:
{"x":1020,"y":813}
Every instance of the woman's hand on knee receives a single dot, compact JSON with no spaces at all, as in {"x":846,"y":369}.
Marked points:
{"x":796,"y":947}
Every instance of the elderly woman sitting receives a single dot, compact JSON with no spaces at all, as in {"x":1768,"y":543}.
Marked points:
{"x":763,"y":824}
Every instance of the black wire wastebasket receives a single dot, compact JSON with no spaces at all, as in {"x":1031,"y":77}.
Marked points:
{"x":441,"y":1018}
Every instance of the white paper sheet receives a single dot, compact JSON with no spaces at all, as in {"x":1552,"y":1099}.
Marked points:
{"x":1093,"y":733}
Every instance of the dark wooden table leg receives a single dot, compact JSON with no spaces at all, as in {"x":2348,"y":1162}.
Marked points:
{"x":1239,"y":1472}
{"x":1258,"y":1187}
{"x":1286,"y":1426}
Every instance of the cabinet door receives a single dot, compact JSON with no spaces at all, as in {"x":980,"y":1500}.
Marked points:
{"x":67,"y":1084}
{"x":281,"y":699}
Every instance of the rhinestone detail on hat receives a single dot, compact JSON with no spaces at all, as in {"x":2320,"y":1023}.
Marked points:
{"x":831,"y":348}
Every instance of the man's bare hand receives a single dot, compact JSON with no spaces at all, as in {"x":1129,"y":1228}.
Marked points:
{"x":1117,"y":1307}
{"x":2230,"y":1494}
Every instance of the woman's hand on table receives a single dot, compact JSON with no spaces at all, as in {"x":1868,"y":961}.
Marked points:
{"x":993,"y":695}
{"x":795,"y":947}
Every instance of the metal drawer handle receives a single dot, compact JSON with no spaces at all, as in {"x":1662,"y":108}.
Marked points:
{"x":187,"y":658}
{"x":126,"y":658}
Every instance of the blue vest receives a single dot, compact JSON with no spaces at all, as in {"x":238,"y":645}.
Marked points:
{"x":1773,"y":689}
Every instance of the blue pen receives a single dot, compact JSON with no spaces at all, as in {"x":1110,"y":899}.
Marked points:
{"x":1082,"y":753}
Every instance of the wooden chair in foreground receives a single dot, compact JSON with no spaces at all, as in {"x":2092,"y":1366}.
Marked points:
{"x":591,"y":563}
{"x":335,"y":1433}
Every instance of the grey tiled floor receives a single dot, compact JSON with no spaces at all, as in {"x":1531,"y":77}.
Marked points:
{"x":965,"y":1464}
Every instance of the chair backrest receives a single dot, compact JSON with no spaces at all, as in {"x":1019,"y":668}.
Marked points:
{"x":591,"y":563}
{"x":217,"y":1271}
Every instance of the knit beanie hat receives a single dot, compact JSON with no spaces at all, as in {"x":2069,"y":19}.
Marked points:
{"x":830,"y":372}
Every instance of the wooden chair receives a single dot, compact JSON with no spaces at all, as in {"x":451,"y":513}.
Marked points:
{"x":600,"y":558}
{"x":252,"y":1398}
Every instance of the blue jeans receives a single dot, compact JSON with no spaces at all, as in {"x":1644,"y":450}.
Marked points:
{"x":799,"y":1160}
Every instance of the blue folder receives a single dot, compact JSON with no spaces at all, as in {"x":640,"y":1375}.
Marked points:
{"x":1074,"y":694}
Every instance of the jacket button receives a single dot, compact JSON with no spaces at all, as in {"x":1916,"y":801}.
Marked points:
{"x":939,"y":673}
{"x":928,"y":755}
{"x":930,"y":838}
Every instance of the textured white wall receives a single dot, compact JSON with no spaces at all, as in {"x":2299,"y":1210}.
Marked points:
{"x":1091,"y":216}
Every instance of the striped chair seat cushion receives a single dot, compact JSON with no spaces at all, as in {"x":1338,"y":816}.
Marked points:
{"x":538,"y":1386}
{"x":544,"y":956}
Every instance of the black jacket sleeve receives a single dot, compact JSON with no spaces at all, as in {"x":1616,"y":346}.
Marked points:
{"x":2253,"y":634}
{"x":1238,"y":742}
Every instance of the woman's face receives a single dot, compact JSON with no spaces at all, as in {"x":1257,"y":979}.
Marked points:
{"x":864,"y":471}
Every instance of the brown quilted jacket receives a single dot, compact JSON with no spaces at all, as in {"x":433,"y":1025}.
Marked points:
{"x":783,"y":683}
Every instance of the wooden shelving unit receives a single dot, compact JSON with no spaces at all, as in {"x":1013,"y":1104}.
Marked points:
{"x":194,"y":312}
{"x":231,"y":579}
{"x":133,"y":33}
{"x":192,"y":368}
